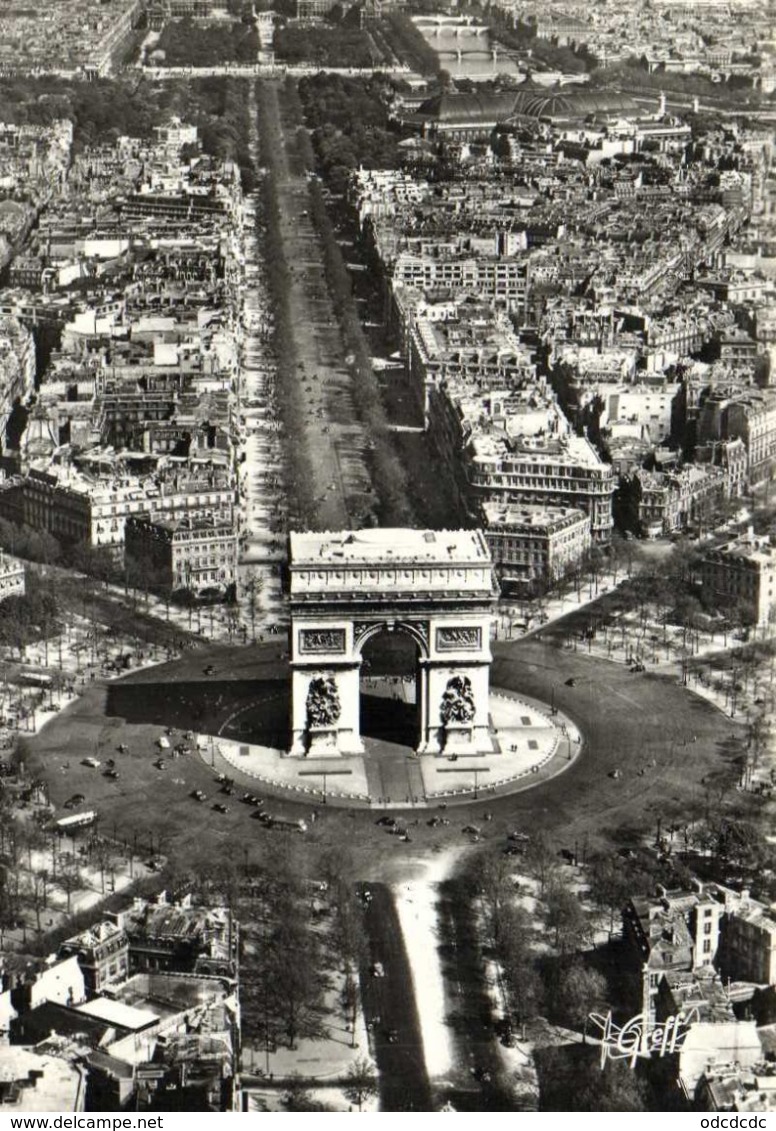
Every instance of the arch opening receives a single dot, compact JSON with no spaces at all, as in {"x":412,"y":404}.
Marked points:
{"x":388,"y":688}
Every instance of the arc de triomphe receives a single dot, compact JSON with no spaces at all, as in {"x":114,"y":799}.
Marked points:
{"x":347,"y":586}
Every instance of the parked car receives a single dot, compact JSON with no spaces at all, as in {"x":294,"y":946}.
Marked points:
{"x":378,"y":970}
{"x":91,"y":762}
{"x":219,"y":808}
{"x":199,"y":795}
{"x":74,"y":801}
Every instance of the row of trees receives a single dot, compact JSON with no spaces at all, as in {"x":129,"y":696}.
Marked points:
{"x":299,"y":479}
{"x":522,"y":37}
{"x":287,"y":960}
{"x":190,"y":43}
{"x":348,"y":119}
{"x":561,"y":984}
{"x":35,"y":863}
{"x":326,"y":47}
{"x":408,"y":43}
{"x":28,"y":617}
{"x":388,"y":476}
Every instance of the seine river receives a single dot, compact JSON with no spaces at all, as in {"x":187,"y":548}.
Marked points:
{"x":476,"y":58}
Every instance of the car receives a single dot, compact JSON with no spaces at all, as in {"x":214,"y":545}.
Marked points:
{"x":571,"y":682}
{"x":387,"y":822}
{"x":111,"y":774}
{"x":122,"y":748}
{"x":471,"y":830}
{"x":93,"y":763}
{"x":199,"y":795}
{"x":160,"y":764}
{"x":378,"y":970}
{"x":514,"y":850}
{"x":219,"y":808}
{"x":521,"y":838}
{"x":75,"y":800}
{"x":391,"y":1036}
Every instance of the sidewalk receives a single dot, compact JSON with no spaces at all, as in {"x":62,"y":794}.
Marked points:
{"x":551,"y":609}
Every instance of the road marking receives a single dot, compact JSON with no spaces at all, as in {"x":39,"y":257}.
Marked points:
{"x":627,"y":698}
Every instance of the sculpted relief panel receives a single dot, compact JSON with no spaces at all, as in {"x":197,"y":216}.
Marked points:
{"x":454,"y":639}
{"x":322,"y":640}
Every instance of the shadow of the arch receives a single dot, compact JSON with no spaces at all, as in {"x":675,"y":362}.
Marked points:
{"x":254,"y":710}
{"x":389,"y":720}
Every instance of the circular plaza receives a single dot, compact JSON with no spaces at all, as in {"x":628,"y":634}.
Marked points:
{"x":530,"y":743}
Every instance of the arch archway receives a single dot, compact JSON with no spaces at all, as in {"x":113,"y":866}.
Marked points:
{"x":388,"y":686}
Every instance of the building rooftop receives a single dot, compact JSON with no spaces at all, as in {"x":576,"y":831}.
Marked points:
{"x":533,"y":517}
{"x":118,"y":1013}
{"x":31,"y":1081}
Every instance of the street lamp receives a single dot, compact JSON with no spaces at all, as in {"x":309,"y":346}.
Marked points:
{"x":553,"y":708}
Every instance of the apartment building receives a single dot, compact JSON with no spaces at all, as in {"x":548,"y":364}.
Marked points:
{"x":198,"y":555}
{"x":657,"y":503}
{"x":103,"y":955}
{"x":17,"y":364}
{"x":742,"y":575}
{"x":547,"y":471}
{"x":11,"y":577}
{"x":503,"y":279}
{"x":534,"y":547}
{"x":707,"y":928}
{"x":77,"y":508}
{"x":735,"y":411}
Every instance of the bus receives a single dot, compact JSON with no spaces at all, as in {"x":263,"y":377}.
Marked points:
{"x":76,"y":821}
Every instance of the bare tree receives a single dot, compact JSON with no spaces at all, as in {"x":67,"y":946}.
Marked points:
{"x":69,"y":880}
{"x":253,"y":586}
{"x":361,"y":1082}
